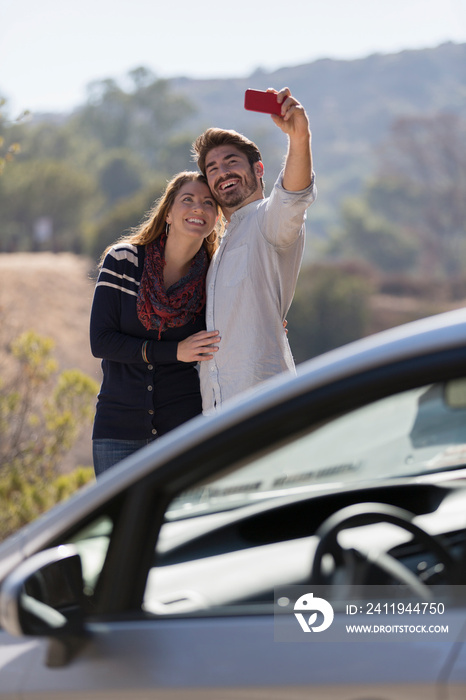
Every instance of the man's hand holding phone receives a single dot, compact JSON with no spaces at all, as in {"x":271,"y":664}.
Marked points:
{"x":261,"y":101}
{"x":291,"y":117}
{"x":286,"y":111}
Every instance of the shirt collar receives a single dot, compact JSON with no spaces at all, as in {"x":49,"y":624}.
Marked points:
{"x":241,"y":213}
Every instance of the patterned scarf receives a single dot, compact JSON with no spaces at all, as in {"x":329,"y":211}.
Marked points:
{"x":158,"y":308}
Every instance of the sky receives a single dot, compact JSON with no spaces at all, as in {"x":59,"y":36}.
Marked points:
{"x":50,"y":50}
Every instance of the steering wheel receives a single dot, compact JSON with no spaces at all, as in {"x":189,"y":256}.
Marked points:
{"x":356,"y":563}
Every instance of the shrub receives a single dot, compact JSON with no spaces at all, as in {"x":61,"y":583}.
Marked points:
{"x":24,"y":499}
{"x":41,"y":415}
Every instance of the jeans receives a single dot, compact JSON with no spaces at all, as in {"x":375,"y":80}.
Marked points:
{"x":108,"y":452}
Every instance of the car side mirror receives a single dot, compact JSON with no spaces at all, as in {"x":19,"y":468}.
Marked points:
{"x":44,"y":597}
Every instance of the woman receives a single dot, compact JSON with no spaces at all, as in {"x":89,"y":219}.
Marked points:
{"x":147,"y":321}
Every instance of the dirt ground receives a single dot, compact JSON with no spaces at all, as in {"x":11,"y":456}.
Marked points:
{"x":52,"y":295}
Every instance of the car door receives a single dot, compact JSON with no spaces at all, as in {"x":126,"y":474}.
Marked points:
{"x":228,"y":653}
{"x":179,"y":648}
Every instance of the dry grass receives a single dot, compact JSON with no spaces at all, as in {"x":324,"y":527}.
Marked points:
{"x":52,"y":295}
{"x":387,"y":311}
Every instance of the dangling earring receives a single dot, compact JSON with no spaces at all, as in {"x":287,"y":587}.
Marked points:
{"x":167,"y":228}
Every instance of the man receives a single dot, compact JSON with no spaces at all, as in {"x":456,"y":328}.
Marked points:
{"x":252,"y":278}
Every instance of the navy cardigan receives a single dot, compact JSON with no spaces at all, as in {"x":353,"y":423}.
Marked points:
{"x":138,"y":400}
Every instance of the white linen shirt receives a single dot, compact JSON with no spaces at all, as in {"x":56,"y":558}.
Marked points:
{"x":250,"y":286}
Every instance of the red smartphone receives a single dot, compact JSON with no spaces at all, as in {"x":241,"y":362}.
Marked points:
{"x":261,"y":101}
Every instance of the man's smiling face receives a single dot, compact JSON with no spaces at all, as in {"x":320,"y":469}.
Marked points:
{"x":232,"y":180}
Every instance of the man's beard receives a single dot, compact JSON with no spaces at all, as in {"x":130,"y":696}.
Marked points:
{"x":247,"y":186}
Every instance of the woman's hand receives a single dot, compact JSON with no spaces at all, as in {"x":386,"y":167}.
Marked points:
{"x":198,"y":347}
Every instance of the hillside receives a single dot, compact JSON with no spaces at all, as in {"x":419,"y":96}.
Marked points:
{"x":347,"y":100}
{"x":351,"y":105}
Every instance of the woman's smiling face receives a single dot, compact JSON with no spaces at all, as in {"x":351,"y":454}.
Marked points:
{"x":194,"y":211}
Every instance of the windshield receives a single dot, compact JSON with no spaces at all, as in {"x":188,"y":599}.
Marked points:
{"x":415,"y":432}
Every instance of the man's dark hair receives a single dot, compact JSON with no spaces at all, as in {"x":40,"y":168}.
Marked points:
{"x":212,"y":138}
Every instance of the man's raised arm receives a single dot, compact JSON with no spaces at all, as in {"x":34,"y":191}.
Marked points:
{"x":295,"y":123}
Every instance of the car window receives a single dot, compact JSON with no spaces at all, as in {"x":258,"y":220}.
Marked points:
{"x":92,"y":544}
{"x":413,"y":432}
{"x":416,"y":432}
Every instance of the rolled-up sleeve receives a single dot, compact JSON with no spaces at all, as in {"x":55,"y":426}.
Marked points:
{"x":285,"y":212}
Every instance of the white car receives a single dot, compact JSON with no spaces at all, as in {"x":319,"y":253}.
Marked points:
{"x":308,"y":541}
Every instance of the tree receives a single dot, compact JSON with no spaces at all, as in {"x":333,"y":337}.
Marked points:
{"x":72,"y":170}
{"x":44,"y":205}
{"x":426,"y":157}
{"x":369,"y":236}
{"x":120,"y":174}
{"x":126,"y":214}
{"x":411,"y":216}
{"x":330,"y":308}
{"x":141,"y":119}
{"x":9,"y":147}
